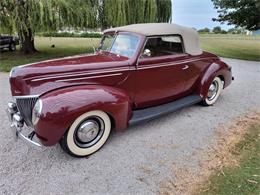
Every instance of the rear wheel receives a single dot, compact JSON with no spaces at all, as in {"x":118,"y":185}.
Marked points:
{"x":87,"y":134}
{"x":214,"y":91}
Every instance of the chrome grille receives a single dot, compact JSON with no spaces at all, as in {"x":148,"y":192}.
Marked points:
{"x":25,"y":105}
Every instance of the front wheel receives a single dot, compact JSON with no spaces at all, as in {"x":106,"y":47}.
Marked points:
{"x":214,"y":91}
{"x":87,"y":134}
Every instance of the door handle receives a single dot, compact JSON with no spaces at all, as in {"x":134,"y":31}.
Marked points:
{"x":185,"y":67}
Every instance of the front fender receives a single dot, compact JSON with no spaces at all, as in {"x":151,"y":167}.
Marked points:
{"x":62,"y":107}
{"x":217,"y":68}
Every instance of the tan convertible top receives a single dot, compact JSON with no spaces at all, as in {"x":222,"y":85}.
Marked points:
{"x":189,"y":35}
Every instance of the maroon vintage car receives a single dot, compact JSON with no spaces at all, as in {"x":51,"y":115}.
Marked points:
{"x":138,"y":73}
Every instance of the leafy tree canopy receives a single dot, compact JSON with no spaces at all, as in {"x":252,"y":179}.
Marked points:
{"x":242,"y":13}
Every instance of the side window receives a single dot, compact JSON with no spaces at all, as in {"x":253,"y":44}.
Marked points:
{"x":163,"y":45}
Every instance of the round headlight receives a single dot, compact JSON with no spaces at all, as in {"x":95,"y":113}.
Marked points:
{"x":36,"y":112}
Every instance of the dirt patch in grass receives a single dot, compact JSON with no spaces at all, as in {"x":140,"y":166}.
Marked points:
{"x":213,"y":159}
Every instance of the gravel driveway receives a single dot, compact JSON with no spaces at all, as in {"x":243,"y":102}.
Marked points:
{"x":133,"y":162}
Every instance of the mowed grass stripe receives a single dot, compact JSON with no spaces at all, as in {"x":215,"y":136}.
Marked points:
{"x":232,"y":46}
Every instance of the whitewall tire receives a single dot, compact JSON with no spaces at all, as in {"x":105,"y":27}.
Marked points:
{"x":87,"y":134}
{"x":214,"y":91}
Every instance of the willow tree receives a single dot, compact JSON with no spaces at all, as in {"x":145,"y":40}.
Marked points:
{"x":120,"y":12}
{"x":26,"y":17}
{"x":114,"y":12}
{"x":135,"y":11}
{"x":150,"y":12}
{"x":164,"y":10}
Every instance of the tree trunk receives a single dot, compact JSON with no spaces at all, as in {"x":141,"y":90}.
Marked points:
{"x":27,"y":43}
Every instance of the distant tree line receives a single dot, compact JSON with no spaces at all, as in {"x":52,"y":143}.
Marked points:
{"x":218,"y":30}
{"x":26,"y":17}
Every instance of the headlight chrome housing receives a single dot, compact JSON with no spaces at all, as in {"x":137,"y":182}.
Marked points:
{"x":36,"y":112}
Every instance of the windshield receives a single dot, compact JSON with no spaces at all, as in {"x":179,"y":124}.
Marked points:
{"x":121,"y":44}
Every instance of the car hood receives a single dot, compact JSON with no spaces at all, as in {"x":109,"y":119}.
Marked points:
{"x":37,"y":78}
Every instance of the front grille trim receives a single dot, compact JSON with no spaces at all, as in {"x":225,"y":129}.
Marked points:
{"x":25,"y":106}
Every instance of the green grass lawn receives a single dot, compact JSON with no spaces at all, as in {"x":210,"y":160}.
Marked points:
{"x":231,"y":46}
{"x":63,"y":47}
{"x":244,"y":179}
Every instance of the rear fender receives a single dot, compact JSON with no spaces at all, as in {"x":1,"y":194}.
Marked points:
{"x":217,"y":68}
{"x":62,"y":107}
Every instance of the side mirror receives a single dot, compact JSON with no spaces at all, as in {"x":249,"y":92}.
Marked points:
{"x":147,"y":53}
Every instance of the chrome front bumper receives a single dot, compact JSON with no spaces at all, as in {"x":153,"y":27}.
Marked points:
{"x":17,"y":124}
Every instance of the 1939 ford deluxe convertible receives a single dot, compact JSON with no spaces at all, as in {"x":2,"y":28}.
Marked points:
{"x":139,"y":72}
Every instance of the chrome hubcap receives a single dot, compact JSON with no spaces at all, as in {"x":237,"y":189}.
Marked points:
{"x":213,"y":90}
{"x":89,"y":132}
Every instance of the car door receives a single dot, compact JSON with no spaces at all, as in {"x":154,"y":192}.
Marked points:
{"x":195,"y":67}
{"x":160,"y":71}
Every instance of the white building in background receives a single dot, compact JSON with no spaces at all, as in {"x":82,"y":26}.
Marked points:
{"x":256,"y":32}
{"x":248,"y":32}
{"x":253,"y":33}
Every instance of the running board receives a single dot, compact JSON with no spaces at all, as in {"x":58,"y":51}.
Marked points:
{"x":144,"y":115}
